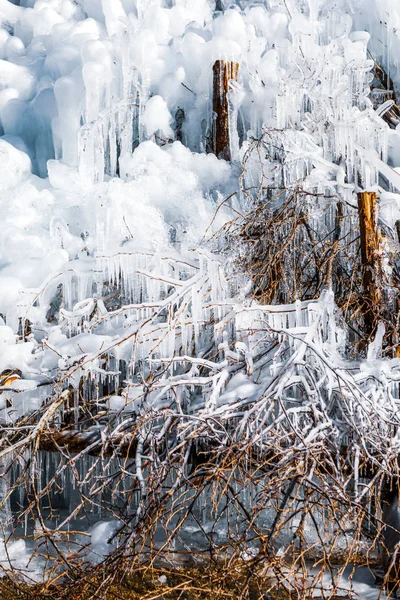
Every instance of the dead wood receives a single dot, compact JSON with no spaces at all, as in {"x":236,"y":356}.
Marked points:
{"x":370,"y":237}
{"x":224,"y":72}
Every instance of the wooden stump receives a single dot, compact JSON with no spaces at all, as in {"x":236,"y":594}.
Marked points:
{"x":370,"y":258}
{"x":224,"y":71}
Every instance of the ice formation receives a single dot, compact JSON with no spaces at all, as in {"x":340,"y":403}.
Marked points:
{"x":92,"y":91}
{"x":107,"y":194}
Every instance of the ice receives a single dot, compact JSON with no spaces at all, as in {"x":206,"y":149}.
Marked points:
{"x":115,"y":16}
{"x":15,"y":165}
{"x":9,"y":13}
{"x":68,"y":91}
{"x":13,"y":355}
{"x":100,"y":534}
{"x":382,"y":20}
{"x":239,"y":388}
{"x":109,"y":200}
{"x":358,"y":581}
{"x":17,"y":555}
{"x":157,"y":118}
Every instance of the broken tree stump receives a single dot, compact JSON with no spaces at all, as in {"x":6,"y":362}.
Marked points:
{"x":224,"y":71}
{"x":370,"y":259}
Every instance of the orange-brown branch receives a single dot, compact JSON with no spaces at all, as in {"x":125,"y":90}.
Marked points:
{"x":370,"y":258}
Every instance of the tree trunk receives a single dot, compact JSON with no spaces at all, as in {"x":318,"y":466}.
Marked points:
{"x":371,"y":260}
{"x":398,"y":230}
{"x":224,"y":71}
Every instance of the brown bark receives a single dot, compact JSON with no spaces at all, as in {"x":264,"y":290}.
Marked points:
{"x":398,"y":230}
{"x":370,"y":258}
{"x":73,"y":442}
{"x":224,"y":71}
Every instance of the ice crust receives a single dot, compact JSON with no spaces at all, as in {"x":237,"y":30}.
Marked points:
{"x":81,"y":84}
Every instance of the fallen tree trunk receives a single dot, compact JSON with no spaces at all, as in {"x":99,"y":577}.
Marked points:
{"x":73,"y":441}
